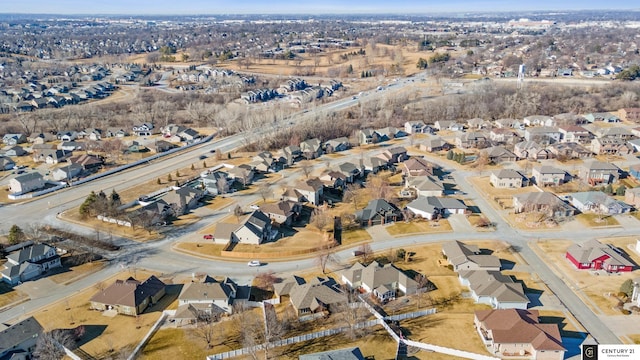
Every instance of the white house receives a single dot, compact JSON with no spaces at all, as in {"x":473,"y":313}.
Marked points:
{"x":29,"y":262}
{"x":26,"y":182}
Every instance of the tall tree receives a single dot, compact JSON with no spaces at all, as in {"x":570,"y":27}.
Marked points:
{"x":15,"y":234}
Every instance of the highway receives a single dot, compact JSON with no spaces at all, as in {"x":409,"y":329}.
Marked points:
{"x":159,"y":256}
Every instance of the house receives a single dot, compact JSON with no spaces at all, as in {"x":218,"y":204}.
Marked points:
{"x":619,"y":133}
{"x":378,"y":212}
{"x":544,"y":202}
{"x":389,"y":133}
{"x":129,"y":297}
{"x":337,"y":145}
{"x":538,"y":120}
{"x":13,"y":139}
{"x":188,"y":135}
{"x":531,"y":150}
{"x":599,"y":173}
{"x":549,"y":175}
{"x":417,"y":167}
{"x":116,"y":132}
{"x":209,"y":297}
{"x":498,"y":154}
{"x":543,"y":134}
{"x":424,"y":185}
{"x":315,"y":296}
{"x":291,"y":153}
{"x":310,"y":190}
{"x":519,"y":333}
{"x":72,"y":145}
{"x":353,"y":353}
{"x":6,"y":163}
{"x":575,"y":133}
{"x":217,"y":182}
{"x":183,"y":199}
{"x":29,"y":262}
{"x":630,"y":114}
{"x":599,"y":203}
{"x":242,"y":173}
{"x":507,"y":178}
{"x":154,"y":212}
{"x":383,"y":281}
{"x":473,"y":139}
{"x":41,"y":138}
{"x":253,"y":229}
{"x":144,"y":129}
{"x":632,"y":196}
{"x":478,"y":124}
{"x":373,"y":164}
{"x":367,"y":136}
{"x":26,"y":182}
{"x":415,"y":127}
{"x":311,"y":148}
{"x":51,"y":156}
{"x":448,"y":125}
{"x":67,"y":172}
{"x":87,"y":161}
{"x":503,"y":136}
{"x":19,"y":340}
{"x":602,"y":116}
{"x":67,"y":135}
{"x":14,"y":151}
{"x":569,"y":150}
{"x":495,"y":289}
{"x":594,"y":255}
{"x":432,"y":207}
{"x":394,"y":155}
{"x":468,"y":257}
{"x":434,"y":144}
{"x":283,"y":212}
{"x":611,"y":146}
{"x":160,"y":146}
{"x":509,"y":124}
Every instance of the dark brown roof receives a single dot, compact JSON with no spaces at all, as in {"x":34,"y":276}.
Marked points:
{"x":129,"y":292}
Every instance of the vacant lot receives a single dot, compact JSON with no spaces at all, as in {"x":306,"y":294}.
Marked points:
{"x":596,"y":220}
{"x":9,"y":295}
{"x":418,"y":227}
{"x":593,"y":287}
{"x":66,"y":275}
{"x":104,"y":335}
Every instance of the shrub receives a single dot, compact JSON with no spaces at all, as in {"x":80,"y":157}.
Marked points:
{"x":625,"y":312}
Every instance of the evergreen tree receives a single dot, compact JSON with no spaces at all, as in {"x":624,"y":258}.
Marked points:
{"x":177,"y":173}
{"x":88,"y":205}
{"x":193,"y":167}
{"x":450,"y":155}
{"x":169,"y":178}
{"x":627,"y":287}
{"x":204,"y":164}
{"x":114,"y":199}
{"x":15,"y":234}
{"x":621,"y":190}
{"x":159,"y":181}
{"x":608,"y":189}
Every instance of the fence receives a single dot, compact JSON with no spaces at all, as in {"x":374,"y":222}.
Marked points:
{"x":448,"y":351}
{"x":152,"y":331}
{"x":411,"y":315}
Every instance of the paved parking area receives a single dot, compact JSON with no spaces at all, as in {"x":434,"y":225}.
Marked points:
{"x":38,"y":288}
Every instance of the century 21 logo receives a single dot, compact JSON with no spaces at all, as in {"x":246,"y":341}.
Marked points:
{"x":589,"y":352}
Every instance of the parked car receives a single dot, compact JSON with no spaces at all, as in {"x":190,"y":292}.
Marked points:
{"x":255,"y":207}
{"x":254,"y":263}
{"x":208,"y":237}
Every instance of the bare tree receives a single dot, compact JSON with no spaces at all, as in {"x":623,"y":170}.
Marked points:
{"x":266,"y":280}
{"x":237,"y":211}
{"x":264,"y":189}
{"x":50,"y":345}
{"x":306,"y":168}
{"x":424,"y":286}
{"x":326,"y":257}
{"x":206,"y":328}
{"x":366,"y":253}
{"x":351,"y":312}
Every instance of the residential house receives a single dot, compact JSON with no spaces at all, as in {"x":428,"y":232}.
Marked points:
{"x":29,"y":262}
{"x":291,"y":154}
{"x":424,"y":185}
{"x":602,"y":116}
{"x":333,"y":179}
{"x":509,"y":124}
{"x":315,"y":296}
{"x":87,"y":161}
{"x":72,"y":145}
{"x":337,"y":145}
{"x":508,"y":178}
{"x":595,"y":255}
{"x":478,"y":124}
{"x":432,"y":207}
{"x":208,"y":298}
{"x":153,"y":213}
{"x":41,"y":138}
{"x":630,"y":114}
{"x":129,"y":297}
{"x":13,"y":139}
{"x":544,"y":202}
{"x":353,"y":353}
{"x":311,"y":191}
{"x":242,"y":173}
{"x":283,"y":213}
{"x":576,"y":134}
{"x":67,"y":135}
{"x":394,"y":155}
{"x":18,"y":341}
{"x":217,"y":182}
{"x":383,"y":281}
{"x":389,"y":133}
{"x":599,"y":173}
{"x":549,"y":175}
{"x":367,"y":136}
{"x":632,"y":196}
{"x":253,"y":229}
{"x":415,"y":127}
{"x":183,"y":199}
{"x":6,"y":163}
{"x":116,"y":132}
{"x":518,"y":333}
{"x":495,"y":289}
{"x":611,"y":146}
{"x":538,"y":120}
{"x":531,"y":150}
{"x":619,"y":133}
{"x":599,"y":203}
{"x":543,"y":134}
{"x":569,"y":150}
{"x":264,"y":162}
{"x":416,"y":166}
{"x":67,"y":172}
{"x":26,"y":182}
{"x":144,"y":129}
{"x":14,"y":151}
{"x":434,"y":144}
{"x":373,"y":164}
{"x":468,"y":257}
{"x":448,"y":125}
{"x":473,"y":139}
{"x":311,"y":148}
{"x":51,"y":156}
{"x":498,"y":154}
{"x":160,"y":146}
{"x":503,"y":136}
{"x":188,"y":135}
{"x":377,"y":212}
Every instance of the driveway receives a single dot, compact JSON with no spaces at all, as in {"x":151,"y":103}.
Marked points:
{"x":459,"y":223}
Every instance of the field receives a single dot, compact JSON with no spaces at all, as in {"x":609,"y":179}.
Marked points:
{"x":595,"y":288}
{"x":418,"y":227}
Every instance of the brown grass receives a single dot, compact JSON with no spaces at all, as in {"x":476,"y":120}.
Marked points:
{"x":9,"y":295}
{"x":76,"y":272}
{"x":418,"y":227}
{"x":137,"y":234}
{"x":595,"y":220}
{"x":350,"y":237}
{"x":120,"y":333}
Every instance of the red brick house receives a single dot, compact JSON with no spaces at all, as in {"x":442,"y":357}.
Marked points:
{"x":597,"y":256}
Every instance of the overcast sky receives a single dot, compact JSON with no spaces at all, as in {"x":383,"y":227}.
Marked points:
{"x":205,"y":7}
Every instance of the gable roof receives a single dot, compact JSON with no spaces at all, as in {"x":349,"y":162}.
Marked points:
{"x":18,"y":333}
{"x":593,"y":249}
{"x":508,"y":174}
{"x":496,"y":285}
{"x":374,"y":207}
{"x":284,"y":287}
{"x":315,"y":294}
{"x":129,"y":292}
{"x":547,"y":169}
{"x":209,"y":289}
{"x":376,"y":275}
{"x":459,"y":253}
{"x":353,"y":353}
{"x":28,"y":253}
{"x":432,"y":203}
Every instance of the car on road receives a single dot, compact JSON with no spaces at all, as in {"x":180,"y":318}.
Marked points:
{"x":212,"y":150}
{"x":208,"y":237}
{"x":255,"y":207}
{"x":202,"y":157}
{"x":254,"y":263}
